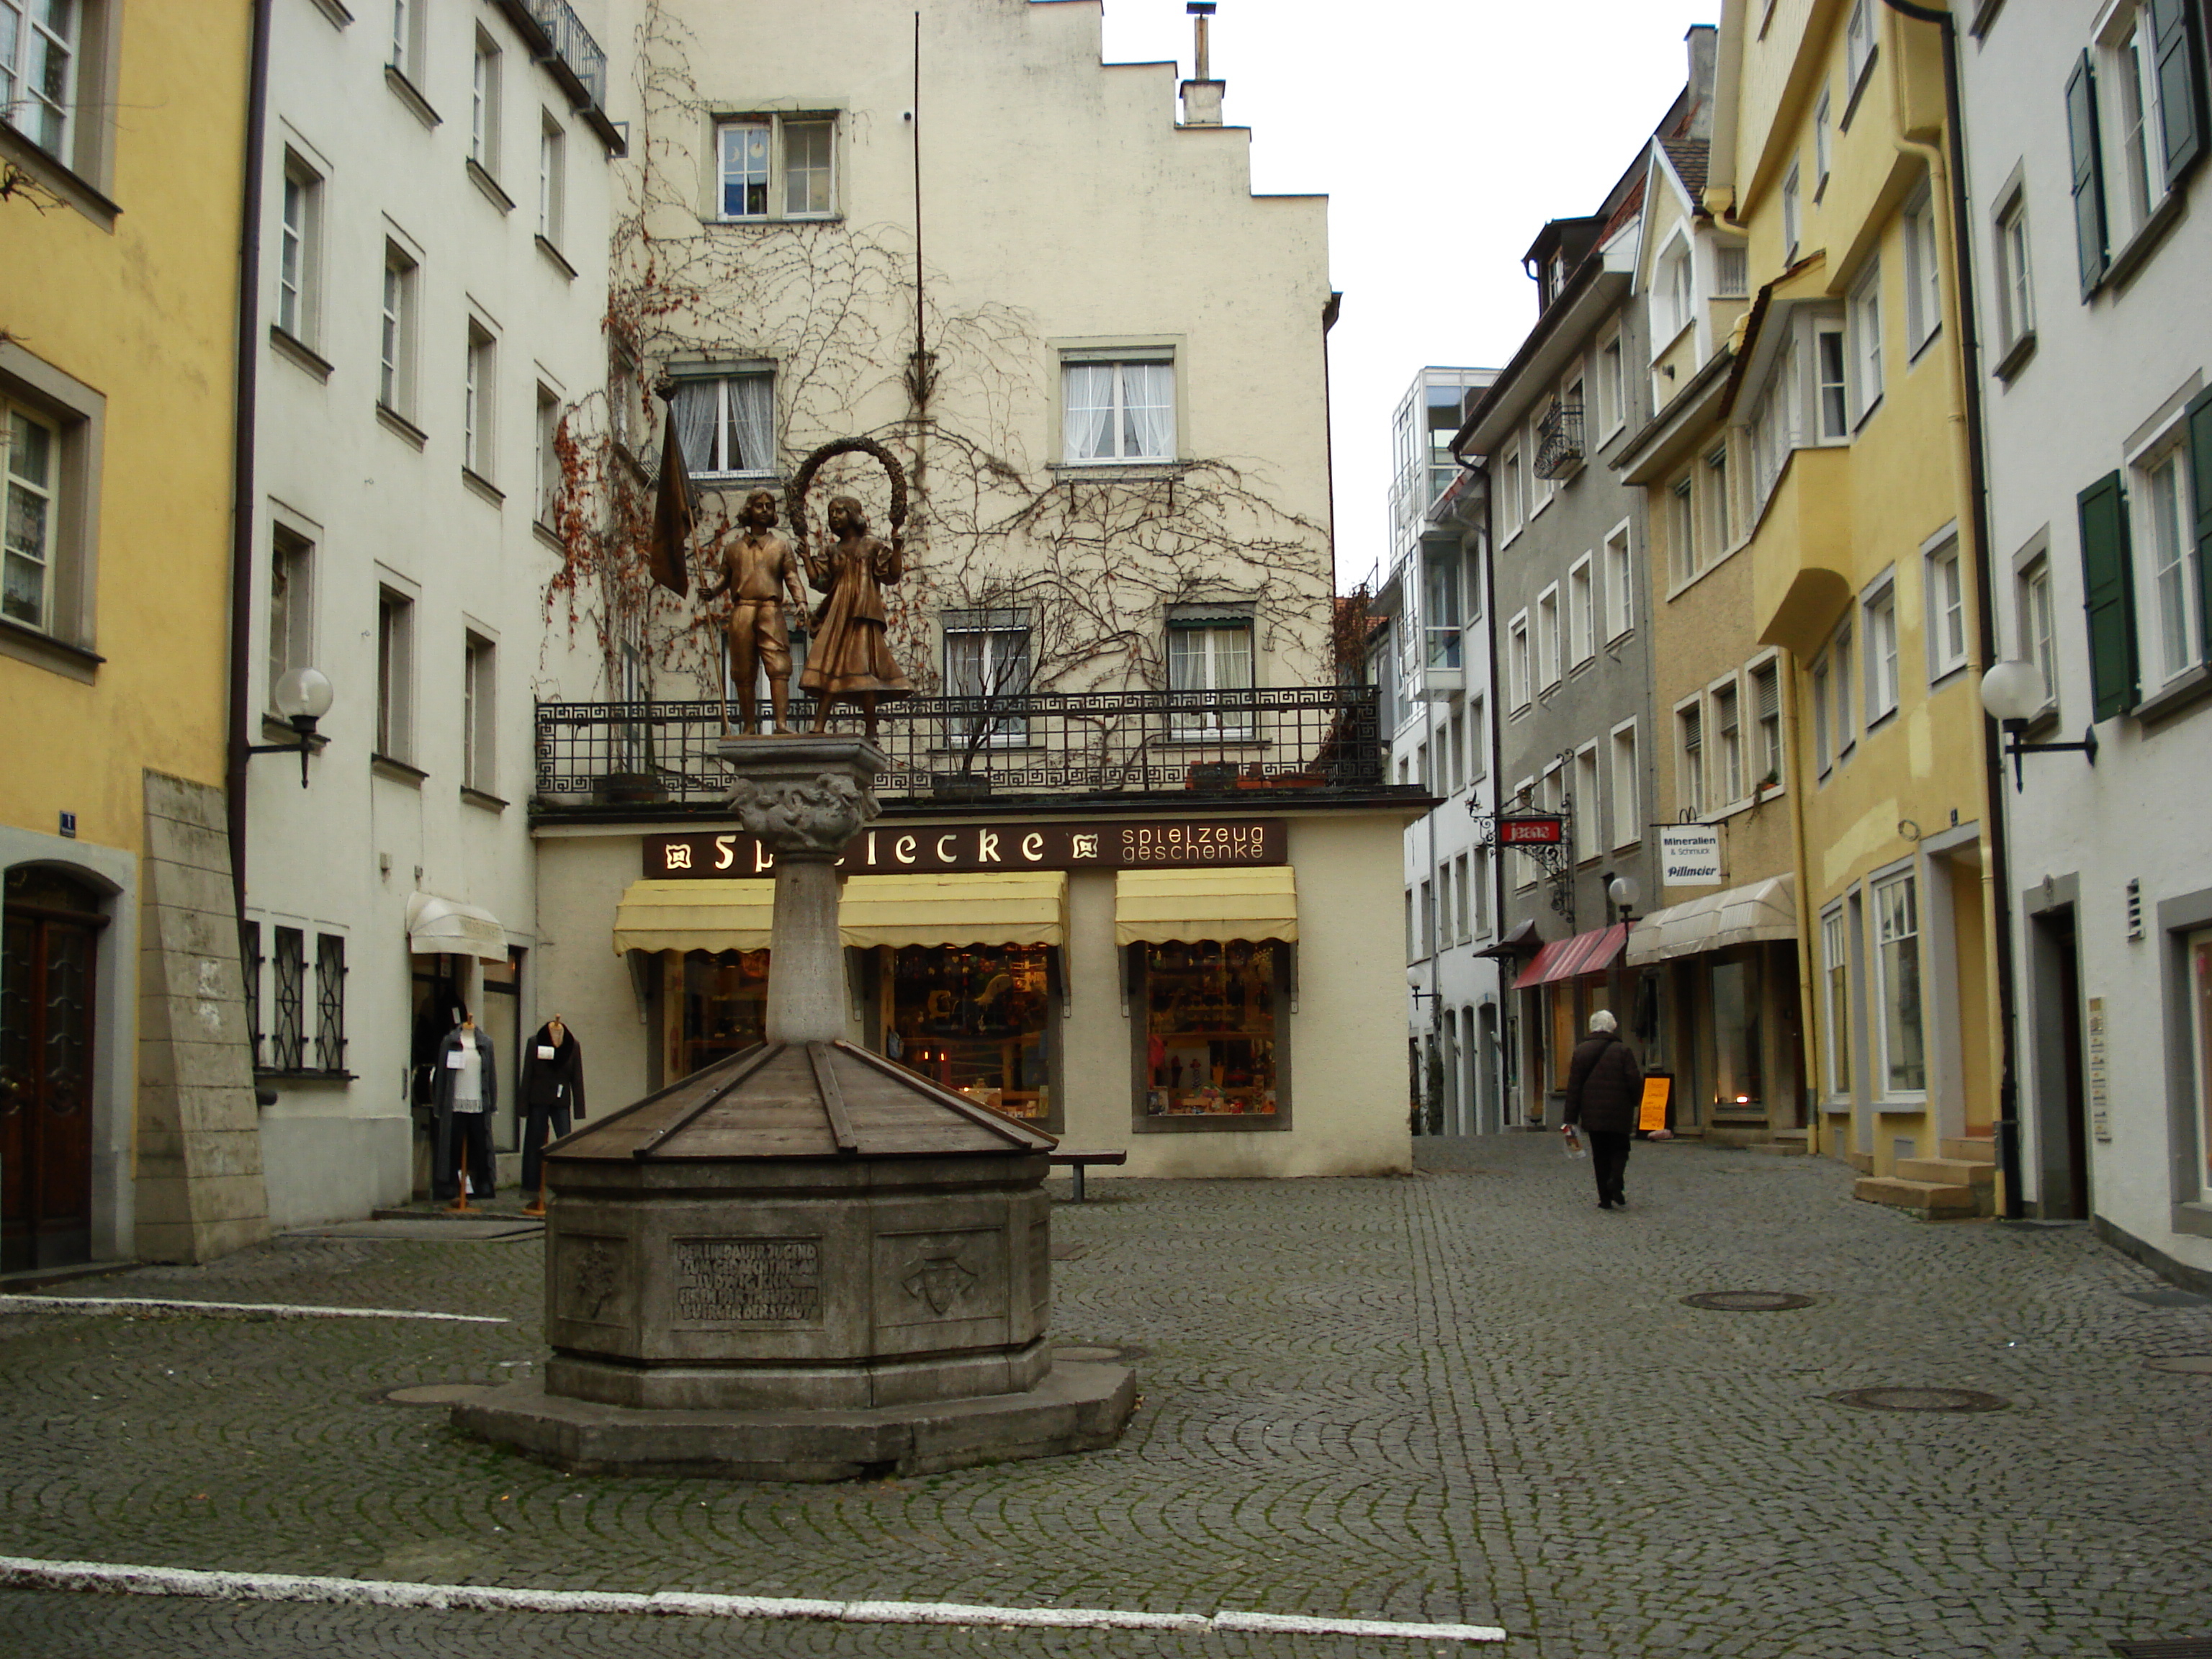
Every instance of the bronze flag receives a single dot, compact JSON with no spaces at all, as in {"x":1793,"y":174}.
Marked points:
{"x":668,"y":555}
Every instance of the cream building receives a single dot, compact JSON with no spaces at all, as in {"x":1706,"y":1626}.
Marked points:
{"x":435,"y":228}
{"x":1103,"y":373}
{"x":126,"y":1104}
{"x":1848,"y":470}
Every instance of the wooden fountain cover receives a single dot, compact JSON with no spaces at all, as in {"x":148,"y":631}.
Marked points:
{"x":812,"y":1100}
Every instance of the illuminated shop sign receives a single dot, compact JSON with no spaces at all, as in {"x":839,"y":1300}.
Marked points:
{"x":1167,"y":844}
{"x":1539,"y":831}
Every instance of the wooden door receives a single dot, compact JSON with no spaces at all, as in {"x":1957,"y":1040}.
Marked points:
{"x":51,"y":930}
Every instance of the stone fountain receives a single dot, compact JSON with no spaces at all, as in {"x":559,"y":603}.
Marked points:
{"x":803,"y":1262}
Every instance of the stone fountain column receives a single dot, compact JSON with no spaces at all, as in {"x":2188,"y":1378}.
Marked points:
{"x":805,"y":798}
{"x":803,"y":1261}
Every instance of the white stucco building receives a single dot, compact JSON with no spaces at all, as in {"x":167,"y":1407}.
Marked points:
{"x":1433,"y":658}
{"x":434,"y":229}
{"x":2085,"y":149}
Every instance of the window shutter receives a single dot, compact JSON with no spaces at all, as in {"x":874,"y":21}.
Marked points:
{"x":2088,"y":180}
{"x":2200,"y":492}
{"x":2173,"y":25}
{"x":2109,"y":596}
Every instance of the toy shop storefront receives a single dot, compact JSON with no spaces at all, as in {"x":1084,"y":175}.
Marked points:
{"x":1189,"y":990}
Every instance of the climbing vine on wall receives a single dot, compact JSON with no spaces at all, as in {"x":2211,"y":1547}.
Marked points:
{"x":831,"y":305}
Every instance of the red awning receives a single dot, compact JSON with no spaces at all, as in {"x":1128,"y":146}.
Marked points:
{"x":1570,"y":958}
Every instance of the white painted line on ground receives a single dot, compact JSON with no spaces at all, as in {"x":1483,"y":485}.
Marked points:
{"x":26,"y":1573}
{"x":276,"y":1309}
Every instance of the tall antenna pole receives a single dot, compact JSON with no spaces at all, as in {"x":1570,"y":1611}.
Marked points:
{"x":920,"y":342}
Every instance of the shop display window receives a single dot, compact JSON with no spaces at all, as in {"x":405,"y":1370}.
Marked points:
{"x":974,"y":1018}
{"x":1212,"y":1028}
{"x":725,"y":1005}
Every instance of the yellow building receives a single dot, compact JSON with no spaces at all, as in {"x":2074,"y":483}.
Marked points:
{"x":1848,"y":478}
{"x":130,"y":1115}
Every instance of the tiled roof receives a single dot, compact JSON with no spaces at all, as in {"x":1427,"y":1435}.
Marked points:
{"x":1690,"y":157}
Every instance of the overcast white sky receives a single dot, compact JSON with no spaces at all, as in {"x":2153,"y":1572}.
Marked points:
{"x":1445,"y":133}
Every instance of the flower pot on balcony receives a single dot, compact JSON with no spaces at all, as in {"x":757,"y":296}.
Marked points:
{"x":631,"y":789}
{"x":960,"y":785}
{"x":1215,"y":777}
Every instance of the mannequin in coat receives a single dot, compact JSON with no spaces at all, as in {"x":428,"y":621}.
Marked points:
{"x":465,"y":1095}
{"x":551,"y":1093}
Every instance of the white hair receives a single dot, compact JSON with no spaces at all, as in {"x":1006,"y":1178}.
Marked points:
{"x":1602,"y":1020}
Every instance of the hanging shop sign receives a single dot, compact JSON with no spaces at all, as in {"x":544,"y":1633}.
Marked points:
{"x":1689,"y":856}
{"x":1165,"y":844}
{"x":1531,"y":830}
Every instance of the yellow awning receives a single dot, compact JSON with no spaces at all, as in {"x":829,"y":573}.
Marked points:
{"x":695,"y":915}
{"x":1250,"y":903}
{"x":1016,"y":907}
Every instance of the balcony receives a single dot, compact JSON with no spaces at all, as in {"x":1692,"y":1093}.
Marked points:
{"x":1042,"y":750}
{"x":1559,"y":441}
{"x":559,"y":40}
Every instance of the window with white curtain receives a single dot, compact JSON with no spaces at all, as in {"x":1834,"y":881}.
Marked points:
{"x":1210,"y":650}
{"x":726,"y":423}
{"x":1118,"y":410}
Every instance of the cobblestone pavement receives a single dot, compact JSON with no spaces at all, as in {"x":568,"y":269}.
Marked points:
{"x":1466,"y":1396}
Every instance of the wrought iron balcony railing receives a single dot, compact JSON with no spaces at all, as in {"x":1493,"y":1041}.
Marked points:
{"x":1323,"y":741}
{"x":1559,"y":441}
{"x":573,"y":42}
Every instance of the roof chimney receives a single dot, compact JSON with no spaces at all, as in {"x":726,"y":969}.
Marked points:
{"x":1201,"y":96}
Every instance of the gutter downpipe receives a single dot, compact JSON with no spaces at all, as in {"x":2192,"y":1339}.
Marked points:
{"x":243,"y":428}
{"x":1978,"y":488}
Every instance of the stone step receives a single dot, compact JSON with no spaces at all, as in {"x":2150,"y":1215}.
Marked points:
{"x":1794,"y":1142}
{"x":1929,"y":1198}
{"x":1948,"y":1171}
{"x":1862,"y":1162}
{"x":1973,"y":1149}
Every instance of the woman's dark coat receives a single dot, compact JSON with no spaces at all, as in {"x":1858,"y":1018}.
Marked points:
{"x":1604,"y":1085}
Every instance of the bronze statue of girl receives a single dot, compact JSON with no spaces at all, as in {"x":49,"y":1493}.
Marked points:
{"x":850,"y":657}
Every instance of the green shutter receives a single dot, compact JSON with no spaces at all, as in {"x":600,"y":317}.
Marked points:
{"x":2173,"y":25}
{"x":2108,"y":595}
{"x":2089,"y":178}
{"x":2200,"y":494}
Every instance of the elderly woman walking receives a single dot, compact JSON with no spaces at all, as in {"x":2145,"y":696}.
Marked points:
{"x":1605,"y":1087}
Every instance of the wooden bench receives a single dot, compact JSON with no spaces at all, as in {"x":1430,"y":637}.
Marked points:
{"x":1079,"y":1162}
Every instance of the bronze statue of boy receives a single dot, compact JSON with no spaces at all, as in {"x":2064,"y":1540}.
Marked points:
{"x":757,"y":568}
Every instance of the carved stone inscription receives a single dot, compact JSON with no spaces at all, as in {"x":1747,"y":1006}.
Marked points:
{"x":724,"y":1281}
{"x":594,"y":1279}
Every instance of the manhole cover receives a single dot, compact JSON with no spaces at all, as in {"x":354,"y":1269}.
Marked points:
{"x":2196,"y":1364}
{"x":1921,"y":1400}
{"x":1748,"y":1301}
{"x":2169,"y":1298}
{"x":435,"y":1393}
{"x":2189,"y":1647}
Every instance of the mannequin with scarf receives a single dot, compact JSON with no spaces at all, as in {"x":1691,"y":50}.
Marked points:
{"x":550,"y":1092}
{"x":465,"y":1094}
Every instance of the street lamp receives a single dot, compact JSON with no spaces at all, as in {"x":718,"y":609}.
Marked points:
{"x":2012,"y":690}
{"x":1622,"y":892}
{"x":303,"y":698}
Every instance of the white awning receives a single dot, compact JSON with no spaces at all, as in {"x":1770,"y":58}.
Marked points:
{"x":441,"y":926}
{"x":1742,"y":915}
